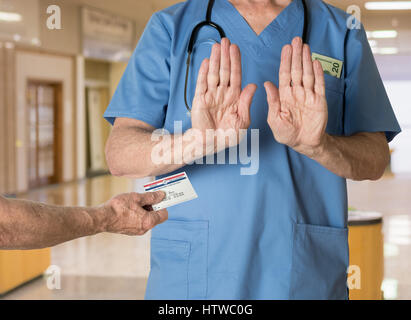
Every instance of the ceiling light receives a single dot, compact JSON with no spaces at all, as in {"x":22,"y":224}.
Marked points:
{"x":388,"y":50}
{"x":385,"y":50}
{"x":9,"y":45}
{"x":382,"y":34}
{"x":10,"y":16}
{"x":388,"y":5}
{"x":35,"y":42}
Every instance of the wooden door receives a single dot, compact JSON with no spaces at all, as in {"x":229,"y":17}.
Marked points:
{"x":44,"y":133}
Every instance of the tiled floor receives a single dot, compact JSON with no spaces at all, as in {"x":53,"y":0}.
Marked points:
{"x":83,"y":288}
{"x":109,"y":266}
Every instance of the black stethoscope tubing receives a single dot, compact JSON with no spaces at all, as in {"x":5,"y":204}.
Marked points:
{"x":208,"y":22}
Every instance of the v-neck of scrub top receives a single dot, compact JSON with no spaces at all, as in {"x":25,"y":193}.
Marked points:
{"x":280,"y":31}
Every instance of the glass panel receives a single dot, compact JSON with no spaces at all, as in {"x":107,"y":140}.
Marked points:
{"x":46,"y":131}
{"x":32,"y":127}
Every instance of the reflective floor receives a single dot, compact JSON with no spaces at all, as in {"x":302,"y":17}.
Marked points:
{"x":109,"y":266}
{"x":392,"y":197}
{"x":105,"y":266}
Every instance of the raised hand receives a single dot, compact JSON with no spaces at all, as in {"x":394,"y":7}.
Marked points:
{"x":298,"y":111}
{"x":219,"y":103}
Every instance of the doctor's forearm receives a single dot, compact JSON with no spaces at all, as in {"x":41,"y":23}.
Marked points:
{"x":129,"y":151}
{"x":363,"y":156}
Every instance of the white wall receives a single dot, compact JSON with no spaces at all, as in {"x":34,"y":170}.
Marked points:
{"x":399,"y":94}
{"x":26,"y":30}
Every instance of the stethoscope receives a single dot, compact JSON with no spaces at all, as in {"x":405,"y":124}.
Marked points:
{"x":208,"y":22}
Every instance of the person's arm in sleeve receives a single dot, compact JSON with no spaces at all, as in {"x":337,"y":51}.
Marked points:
{"x":32,"y":225}
{"x":369,"y":121}
{"x":362,"y":156}
{"x":298,"y":113}
{"x":139,"y":104}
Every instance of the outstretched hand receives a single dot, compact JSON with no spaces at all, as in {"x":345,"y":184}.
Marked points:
{"x":219,"y":103}
{"x":298,"y":110}
{"x":131,"y":213}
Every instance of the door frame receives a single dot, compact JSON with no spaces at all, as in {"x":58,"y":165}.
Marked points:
{"x":58,"y":126}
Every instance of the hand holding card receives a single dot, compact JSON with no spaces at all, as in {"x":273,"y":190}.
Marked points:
{"x":177,"y":187}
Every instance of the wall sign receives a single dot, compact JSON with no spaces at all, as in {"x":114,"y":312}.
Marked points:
{"x":106,"y":36}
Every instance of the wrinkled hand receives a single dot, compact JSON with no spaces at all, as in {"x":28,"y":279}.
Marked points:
{"x":298,"y":111}
{"x":125,"y":213}
{"x":219,"y":102}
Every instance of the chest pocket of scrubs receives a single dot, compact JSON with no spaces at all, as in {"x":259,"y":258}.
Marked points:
{"x":319,"y":263}
{"x":178,"y":261}
{"x":334,"y":91}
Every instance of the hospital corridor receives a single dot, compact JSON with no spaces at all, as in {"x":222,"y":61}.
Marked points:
{"x":109,"y":266}
{"x":65,"y":76}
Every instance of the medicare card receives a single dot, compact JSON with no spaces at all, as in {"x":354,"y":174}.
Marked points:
{"x":177,"y":187}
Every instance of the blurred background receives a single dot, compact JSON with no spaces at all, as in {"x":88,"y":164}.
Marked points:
{"x":54,"y":87}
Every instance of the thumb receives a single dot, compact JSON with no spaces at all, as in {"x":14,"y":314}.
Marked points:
{"x":246,"y":97}
{"x":273,"y":98}
{"x":150,"y":198}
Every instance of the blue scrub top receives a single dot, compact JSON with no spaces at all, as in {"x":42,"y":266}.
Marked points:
{"x":278,"y":234}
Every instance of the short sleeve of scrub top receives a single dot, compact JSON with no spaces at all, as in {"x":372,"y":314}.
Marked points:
{"x":143,"y":90}
{"x":367,"y":107}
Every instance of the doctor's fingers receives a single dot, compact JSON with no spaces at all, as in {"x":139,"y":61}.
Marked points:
{"x":213,"y":77}
{"x":285,"y":67}
{"x":273,"y":99}
{"x":319,"y":86}
{"x":244,"y":105}
{"x":296,"y":62}
{"x":201,"y":86}
{"x":225,"y":62}
{"x":308,"y":72}
{"x":235,"y":69}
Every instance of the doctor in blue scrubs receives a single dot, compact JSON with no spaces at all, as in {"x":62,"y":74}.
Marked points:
{"x":280,"y":233}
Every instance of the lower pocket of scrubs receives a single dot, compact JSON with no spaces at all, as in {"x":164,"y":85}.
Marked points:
{"x":319,"y":263}
{"x":169,"y":267}
{"x":178,"y":260}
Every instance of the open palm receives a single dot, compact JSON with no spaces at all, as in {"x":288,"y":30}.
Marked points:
{"x":298,"y":110}
{"x":219,"y":103}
